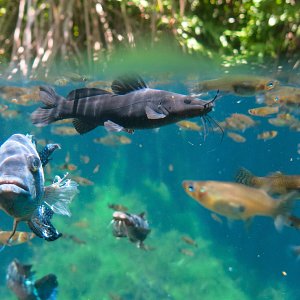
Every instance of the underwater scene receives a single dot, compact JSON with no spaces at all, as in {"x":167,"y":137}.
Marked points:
{"x":160,"y":200}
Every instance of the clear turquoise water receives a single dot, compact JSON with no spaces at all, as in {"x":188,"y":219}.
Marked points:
{"x":230,"y":262}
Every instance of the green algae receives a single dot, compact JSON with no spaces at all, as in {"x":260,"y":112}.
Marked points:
{"x":105,"y":265}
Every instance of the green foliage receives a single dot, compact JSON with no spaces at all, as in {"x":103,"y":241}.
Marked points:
{"x":65,"y":30}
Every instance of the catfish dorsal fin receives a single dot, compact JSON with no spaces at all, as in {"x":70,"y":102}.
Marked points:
{"x":85,"y":92}
{"x":126,"y":84}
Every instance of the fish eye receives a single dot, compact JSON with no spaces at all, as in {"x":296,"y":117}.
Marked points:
{"x":270,"y":84}
{"x":187,"y":101}
{"x":191,"y":188}
{"x":34,"y":163}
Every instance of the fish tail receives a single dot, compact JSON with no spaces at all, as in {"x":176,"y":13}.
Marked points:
{"x":50,"y":112}
{"x":244,"y":176}
{"x":283,"y":210}
{"x":46,"y":287}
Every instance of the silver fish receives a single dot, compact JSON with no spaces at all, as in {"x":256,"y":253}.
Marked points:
{"x":135,"y":227}
{"x":20,"y":279}
{"x":23,"y":195}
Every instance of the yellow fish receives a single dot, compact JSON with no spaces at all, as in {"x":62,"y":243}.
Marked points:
{"x":188,"y":125}
{"x":238,"y":201}
{"x":236,"y":137}
{"x":263,"y":111}
{"x":273,"y":183}
{"x":267,"y":135}
{"x":243,"y":85}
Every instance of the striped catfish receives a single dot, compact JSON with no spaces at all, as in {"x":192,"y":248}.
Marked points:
{"x":131,"y":105}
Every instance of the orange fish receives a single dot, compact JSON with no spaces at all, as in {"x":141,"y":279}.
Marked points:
{"x":189,"y":240}
{"x":238,"y":201}
{"x":82,"y":181}
{"x":263,"y":111}
{"x":236,"y":137}
{"x":244,"y":85}
{"x":188,"y":125}
{"x":267,"y":135}
{"x":273,"y":183}
{"x":18,"y":238}
{"x":187,"y":252}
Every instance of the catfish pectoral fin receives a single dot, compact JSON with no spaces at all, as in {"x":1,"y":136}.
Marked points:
{"x":152,"y":114}
{"x":110,"y":126}
{"x":40,"y":224}
{"x":83,"y":126}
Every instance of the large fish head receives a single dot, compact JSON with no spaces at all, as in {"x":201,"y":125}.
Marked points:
{"x":21,"y":176}
{"x":121,"y":221}
{"x":198,"y":190}
{"x":182,"y":106}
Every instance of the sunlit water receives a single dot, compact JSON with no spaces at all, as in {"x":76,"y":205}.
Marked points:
{"x":230,"y":262}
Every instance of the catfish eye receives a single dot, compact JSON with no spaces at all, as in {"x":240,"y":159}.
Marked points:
{"x":191,"y":188}
{"x":187,"y":101}
{"x":34,"y":163}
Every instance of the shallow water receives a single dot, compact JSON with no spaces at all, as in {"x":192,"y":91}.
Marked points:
{"x":230,"y":262}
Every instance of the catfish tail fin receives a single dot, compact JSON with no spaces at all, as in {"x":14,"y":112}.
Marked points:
{"x":244,"y":176}
{"x":50,"y":112}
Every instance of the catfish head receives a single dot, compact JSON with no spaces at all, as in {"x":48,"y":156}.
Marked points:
{"x":173,"y":107}
{"x":21,"y":177}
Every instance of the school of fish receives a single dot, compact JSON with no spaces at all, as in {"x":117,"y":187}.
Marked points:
{"x":128,"y":104}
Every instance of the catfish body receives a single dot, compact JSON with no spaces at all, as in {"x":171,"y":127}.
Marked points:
{"x":132,"y":105}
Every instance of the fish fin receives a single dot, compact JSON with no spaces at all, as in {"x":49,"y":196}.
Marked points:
{"x":48,"y":114}
{"x":16,"y":222}
{"x":295,"y":251}
{"x":40,"y":224}
{"x":142,"y":215}
{"x":248,"y":224}
{"x":152,"y":114}
{"x":128,"y":83}
{"x":46,"y":287}
{"x":276,"y":174}
{"x":85,"y":93}
{"x":284,"y":207}
{"x":244,"y":176}
{"x":110,"y":126}
{"x":60,"y":194}
{"x":279,"y":222}
{"x":83,"y":126}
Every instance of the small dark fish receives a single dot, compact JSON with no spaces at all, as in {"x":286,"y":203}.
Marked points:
{"x":189,"y":240}
{"x":20,"y":279}
{"x":118,"y":207}
{"x":23,"y":195}
{"x":132,"y":105}
{"x":135,"y":227}
{"x":74,"y":238}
